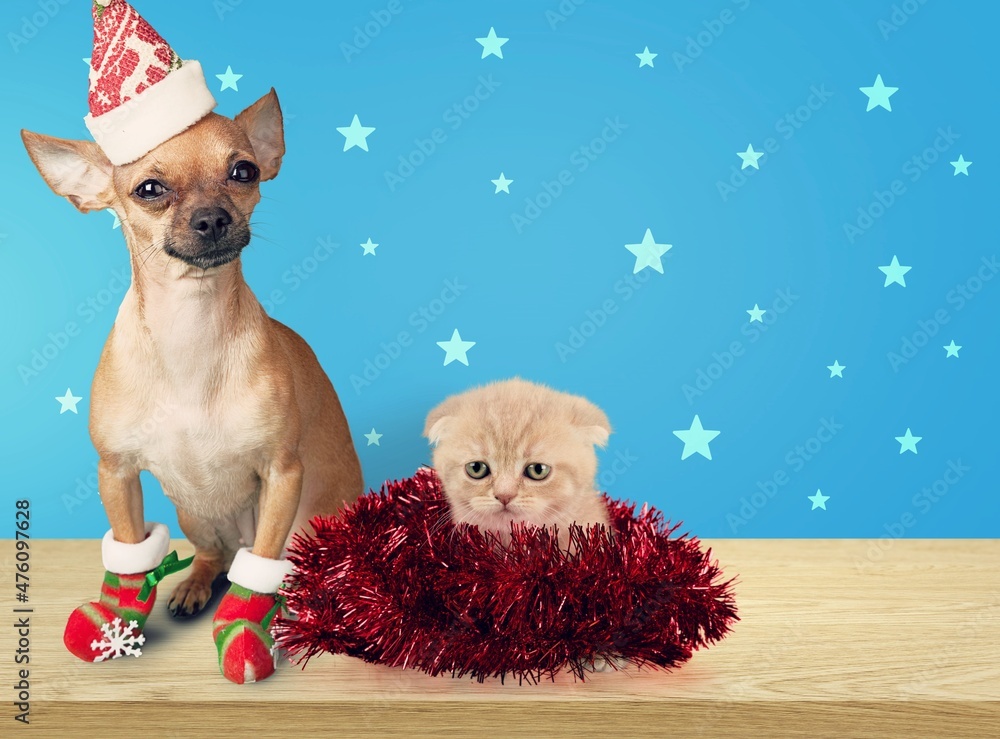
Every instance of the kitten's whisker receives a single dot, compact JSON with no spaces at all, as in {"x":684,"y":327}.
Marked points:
{"x":442,"y":520}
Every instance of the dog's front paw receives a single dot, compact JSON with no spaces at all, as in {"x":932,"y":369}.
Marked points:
{"x":190,"y":596}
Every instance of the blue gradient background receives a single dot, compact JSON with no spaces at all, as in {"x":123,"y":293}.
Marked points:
{"x":525,"y":292}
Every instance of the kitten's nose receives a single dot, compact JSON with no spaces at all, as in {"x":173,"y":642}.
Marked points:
{"x":505,"y":498}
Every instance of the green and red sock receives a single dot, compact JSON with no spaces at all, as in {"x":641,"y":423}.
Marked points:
{"x":112,"y":626}
{"x":242,"y":623}
{"x":85,"y":630}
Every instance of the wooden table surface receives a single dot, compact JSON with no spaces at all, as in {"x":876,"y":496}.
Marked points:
{"x":837,"y":638}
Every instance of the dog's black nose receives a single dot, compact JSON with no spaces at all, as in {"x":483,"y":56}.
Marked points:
{"x":211,"y":223}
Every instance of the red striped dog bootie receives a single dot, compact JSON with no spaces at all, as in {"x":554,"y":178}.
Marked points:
{"x":243,"y":620}
{"x":111,"y":627}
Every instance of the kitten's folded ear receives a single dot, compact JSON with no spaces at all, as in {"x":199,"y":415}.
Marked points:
{"x":591,"y":420}
{"x":437,"y":420}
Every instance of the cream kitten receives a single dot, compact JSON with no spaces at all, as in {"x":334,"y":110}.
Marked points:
{"x":517,"y":451}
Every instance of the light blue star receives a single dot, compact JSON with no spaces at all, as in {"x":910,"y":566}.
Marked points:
{"x":646,"y":58}
{"x":750,"y":157}
{"x":894,"y":273}
{"x":491,"y":44}
{"x":836,"y":369}
{"x":696,"y":439}
{"x":878,"y":94}
{"x":757,"y":314}
{"x":818,"y":500}
{"x":68,"y":401}
{"x":86,"y":60}
{"x":229,"y":80}
{"x":952,"y":350}
{"x":502,"y":184}
{"x":961,"y":166}
{"x":369,"y":247}
{"x":648,"y":253}
{"x":355,"y":134}
{"x":908,"y":442}
{"x":455,"y":349}
{"x":373,"y":437}
{"x":117,"y":223}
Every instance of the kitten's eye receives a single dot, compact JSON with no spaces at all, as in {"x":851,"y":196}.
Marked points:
{"x":537,"y":471}
{"x":244,"y":171}
{"x":150,"y":190}
{"x":477,"y":470}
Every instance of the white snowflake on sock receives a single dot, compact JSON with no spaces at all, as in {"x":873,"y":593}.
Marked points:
{"x":119,"y":642}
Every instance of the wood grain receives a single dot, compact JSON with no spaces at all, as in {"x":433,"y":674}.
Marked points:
{"x":830,"y":643}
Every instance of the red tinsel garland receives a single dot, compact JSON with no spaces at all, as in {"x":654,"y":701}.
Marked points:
{"x":392,"y":581}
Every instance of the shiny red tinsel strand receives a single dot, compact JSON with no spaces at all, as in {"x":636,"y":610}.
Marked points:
{"x":392,"y":581}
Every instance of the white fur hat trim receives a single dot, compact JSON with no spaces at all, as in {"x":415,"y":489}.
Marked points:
{"x":159,"y":113}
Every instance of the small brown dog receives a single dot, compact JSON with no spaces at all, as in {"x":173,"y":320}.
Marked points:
{"x":228,"y":408}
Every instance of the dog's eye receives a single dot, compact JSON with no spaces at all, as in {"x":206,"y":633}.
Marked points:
{"x":537,"y":471}
{"x":477,"y":470}
{"x":150,"y":190}
{"x":244,"y":172}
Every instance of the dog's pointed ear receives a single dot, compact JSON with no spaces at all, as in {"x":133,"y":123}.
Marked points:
{"x":77,"y":170}
{"x":263,"y":125}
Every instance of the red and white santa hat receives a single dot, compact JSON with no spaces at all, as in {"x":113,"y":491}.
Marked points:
{"x":141,"y":92}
